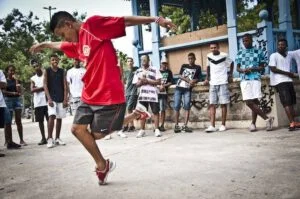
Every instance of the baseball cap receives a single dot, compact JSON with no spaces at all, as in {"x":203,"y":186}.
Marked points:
{"x":163,"y":61}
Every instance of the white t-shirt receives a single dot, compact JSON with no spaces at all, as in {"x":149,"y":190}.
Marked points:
{"x":219,"y":65}
{"x":147,"y":93}
{"x":74,"y":78}
{"x":2,"y":79}
{"x":284,"y":64}
{"x":39,"y":98}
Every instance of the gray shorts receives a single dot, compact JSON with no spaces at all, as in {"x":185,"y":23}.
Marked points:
{"x":219,"y":94}
{"x":102,"y":119}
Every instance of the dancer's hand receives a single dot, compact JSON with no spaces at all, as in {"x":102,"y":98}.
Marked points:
{"x":37,"y":48}
{"x":166,"y":23}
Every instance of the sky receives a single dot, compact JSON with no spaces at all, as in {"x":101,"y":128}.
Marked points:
{"x":91,"y":7}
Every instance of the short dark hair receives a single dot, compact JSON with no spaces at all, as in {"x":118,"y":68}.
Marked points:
{"x":283,"y":40}
{"x":247,"y":35}
{"x":9,"y":66}
{"x":214,"y":43}
{"x":53,"y":55}
{"x":58,"y":18}
{"x":192,"y":54}
{"x":129,"y":58}
{"x":146,"y":56}
{"x":34,"y":63}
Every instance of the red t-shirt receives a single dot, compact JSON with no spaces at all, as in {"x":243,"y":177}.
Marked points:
{"x":102,"y":84}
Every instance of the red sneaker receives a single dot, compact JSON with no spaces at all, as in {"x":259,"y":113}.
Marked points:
{"x":102,"y":175}
{"x":294,"y":125}
{"x":142,"y":111}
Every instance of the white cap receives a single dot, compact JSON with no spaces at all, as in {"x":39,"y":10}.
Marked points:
{"x":163,"y":61}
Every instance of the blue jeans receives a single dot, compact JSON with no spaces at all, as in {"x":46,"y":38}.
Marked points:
{"x":12,"y":103}
{"x":186,"y":99}
{"x":163,"y":102}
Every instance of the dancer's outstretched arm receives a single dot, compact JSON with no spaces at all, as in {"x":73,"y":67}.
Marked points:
{"x":40,"y":46}
{"x":138,"y":20}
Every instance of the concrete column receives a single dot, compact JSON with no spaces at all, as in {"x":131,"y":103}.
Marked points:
{"x":194,"y":14}
{"x":232,"y":31}
{"x":137,"y":35}
{"x":298,"y":13}
{"x":285,"y":21}
{"x":154,"y":5}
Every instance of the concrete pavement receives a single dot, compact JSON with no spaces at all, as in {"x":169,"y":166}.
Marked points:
{"x":231,"y":164}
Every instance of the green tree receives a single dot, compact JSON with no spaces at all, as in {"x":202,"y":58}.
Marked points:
{"x":178,"y":17}
{"x":46,"y":35}
{"x":213,"y":13}
{"x":207,"y":20}
{"x":18,"y":32}
{"x":122,"y":57}
{"x":248,"y":19}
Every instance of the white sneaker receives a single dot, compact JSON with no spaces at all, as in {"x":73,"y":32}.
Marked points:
{"x":157,"y":133}
{"x":108,"y":137}
{"x":50,"y":143}
{"x":141,"y":133}
{"x":58,"y":141}
{"x":121,"y":134}
{"x":252,"y":127}
{"x":222,"y":128}
{"x":211,"y":129}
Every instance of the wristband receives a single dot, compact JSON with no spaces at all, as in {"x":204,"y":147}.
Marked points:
{"x":158,"y":19}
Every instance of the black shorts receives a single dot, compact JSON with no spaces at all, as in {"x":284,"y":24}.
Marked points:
{"x":154,"y":106}
{"x":131,"y":101}
{"x":287,"y":93}
{"x":41,"y":112}
{"x":102,"y":119}
{"x":2,"y":116}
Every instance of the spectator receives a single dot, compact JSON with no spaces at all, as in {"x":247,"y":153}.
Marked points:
{"x":12,"y":95}
{"x":131,"y":96}
{"x":55,"y":86}
{"x":250,"y":63}
{"x":189,"y":76}
{"x":75,"y":83}
{"x":282,"y":79}
{"x":217,"y":76}
{"x":146,"y":79}
{"x":166,"y":81}
{"x":2,"y":102}
{"x":39,"y":99}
